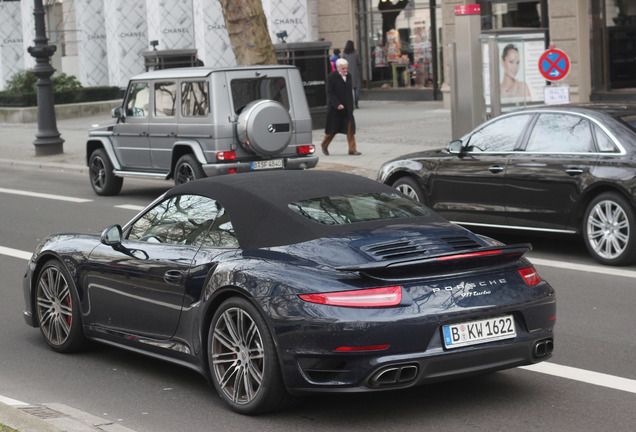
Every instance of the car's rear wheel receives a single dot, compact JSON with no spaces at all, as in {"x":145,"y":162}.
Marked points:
{"x":103,"y":180}
{"x":243,"y":360}
{"x":57,"y":308}
{"x":609,"y":229}
{"x":187,"y":169}
{"x":409,"y":187}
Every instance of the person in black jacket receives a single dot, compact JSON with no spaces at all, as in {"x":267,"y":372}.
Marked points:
{"x":340,"y":107}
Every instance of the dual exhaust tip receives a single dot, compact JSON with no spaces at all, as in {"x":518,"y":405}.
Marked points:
{"x":543,"y":348}
{"x":394,"y":375}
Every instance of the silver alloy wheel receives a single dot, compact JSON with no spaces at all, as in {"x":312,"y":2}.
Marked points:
{"x":98,"y":172}
{"x":238,"y":357}
{"x":407,"y":190}
{"x":54,"y":306}
{"x":608,"y":229}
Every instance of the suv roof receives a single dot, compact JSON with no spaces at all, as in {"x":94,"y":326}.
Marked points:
{"x":201,"y":71}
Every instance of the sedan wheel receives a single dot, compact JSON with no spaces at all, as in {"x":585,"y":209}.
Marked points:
{"x":57,"y":309}
{"x":410,"y":188}
{"x":243,"y":360}
{"x":610,"y":229}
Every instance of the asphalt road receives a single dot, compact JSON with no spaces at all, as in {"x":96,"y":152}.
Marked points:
{"x":595,"y":345}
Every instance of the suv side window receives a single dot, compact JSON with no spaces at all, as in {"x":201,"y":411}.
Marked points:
{"x":247,"y":90}
{"x":561,"y":133}
{"x":138,"y":99}
{"x":195,"y":100}
{"x":165,"y":99}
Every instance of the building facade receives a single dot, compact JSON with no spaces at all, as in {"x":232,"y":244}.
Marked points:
{"x":402,"y":43}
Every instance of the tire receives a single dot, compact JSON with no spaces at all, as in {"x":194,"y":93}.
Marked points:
{"x":187,"y":169}
{"x":609,"y":229}
{"x":100,"y":170}
{"x":57,"y":308}
{"x":243,"y":361}
{"x":409,"y":187}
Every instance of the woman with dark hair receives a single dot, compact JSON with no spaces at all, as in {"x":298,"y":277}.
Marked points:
{"x":350,"y":54}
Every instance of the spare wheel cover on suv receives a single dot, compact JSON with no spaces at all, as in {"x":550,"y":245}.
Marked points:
{"x":264,"y":127}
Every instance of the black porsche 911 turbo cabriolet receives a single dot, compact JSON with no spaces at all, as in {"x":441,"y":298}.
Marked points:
{"x":276,"y":284}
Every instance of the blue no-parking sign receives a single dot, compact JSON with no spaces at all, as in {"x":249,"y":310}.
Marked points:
{"x":554,"y":64}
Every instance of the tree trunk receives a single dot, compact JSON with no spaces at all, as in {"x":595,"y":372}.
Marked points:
{"x":247,"y":27}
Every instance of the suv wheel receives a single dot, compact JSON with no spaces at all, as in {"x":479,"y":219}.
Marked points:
{"x":410,"y":188}
{"x":187,"y":169}
{"x":100,"y":170}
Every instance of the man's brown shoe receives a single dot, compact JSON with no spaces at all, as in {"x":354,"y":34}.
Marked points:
{"x":325,"y":151}
{"x":355,"y":153}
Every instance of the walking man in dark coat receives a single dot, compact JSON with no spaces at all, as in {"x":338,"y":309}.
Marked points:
{"x":340,"y":107}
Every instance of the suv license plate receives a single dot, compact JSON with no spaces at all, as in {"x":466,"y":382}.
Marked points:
{"x":267,"y":164}
{"x":476,"y":332}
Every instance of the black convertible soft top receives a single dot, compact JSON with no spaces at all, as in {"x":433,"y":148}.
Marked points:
{"x":258,"y":203}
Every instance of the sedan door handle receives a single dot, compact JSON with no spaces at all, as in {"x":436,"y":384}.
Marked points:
{"x":574,"y":171}
{"x":173,"y":277}
{"x":495,"y":169}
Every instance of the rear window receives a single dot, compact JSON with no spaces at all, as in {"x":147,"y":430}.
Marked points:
{"x":247,"y":90}
{"x":347,"y":209}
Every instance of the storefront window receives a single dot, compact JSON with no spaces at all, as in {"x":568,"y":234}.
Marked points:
{"x":399,"y":37}
{"x":497,"y":14}
{"x":613,"y":43}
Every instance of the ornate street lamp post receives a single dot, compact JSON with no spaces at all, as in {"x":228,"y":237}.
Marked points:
{"x":48,"y":140}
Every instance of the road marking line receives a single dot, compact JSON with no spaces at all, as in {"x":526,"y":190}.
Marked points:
{"x":613,"y":271}
{"x":130,"y":207}
{"x":12,"y":402}
{"x":15,"y":253}
{"x":43,"y":195}
{"x":582,"y":375}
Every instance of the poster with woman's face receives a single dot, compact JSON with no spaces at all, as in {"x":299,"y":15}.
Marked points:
{"x":512,"y":73}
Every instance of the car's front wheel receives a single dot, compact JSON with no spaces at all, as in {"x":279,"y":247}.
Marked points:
{"x":187,"y":169}
{"x":609,"y":229}
{"x":409,"y":187}
{"x":103,"y":180}
{"x":57,"y":308}
{"x":243,"y":360}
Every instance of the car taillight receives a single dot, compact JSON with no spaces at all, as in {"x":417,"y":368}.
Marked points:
{"x":306,"y":149}
{"x":367,"y":298}
{"x":530,"y":275}
{"x":469,"y":255}
{"x":226,"y":155}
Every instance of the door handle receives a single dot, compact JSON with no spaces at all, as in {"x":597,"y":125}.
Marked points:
{"x":574,"y":171}
{"x":495,"y":169}
{"x":173,"y":277}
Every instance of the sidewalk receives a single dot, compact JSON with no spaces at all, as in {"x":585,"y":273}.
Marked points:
{"x":385,"y":129}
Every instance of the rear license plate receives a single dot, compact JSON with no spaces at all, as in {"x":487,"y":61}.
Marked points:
{"x":267,"y":164}
{"x":476,"y":332}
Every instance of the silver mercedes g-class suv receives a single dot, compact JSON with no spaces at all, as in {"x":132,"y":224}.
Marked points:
{"x":189,"y":123}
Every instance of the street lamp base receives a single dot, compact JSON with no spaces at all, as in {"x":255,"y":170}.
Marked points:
{"x":49,"y":145}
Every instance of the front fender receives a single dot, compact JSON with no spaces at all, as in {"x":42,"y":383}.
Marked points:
{"x":391,"y":170}
{"x":102,"y":142}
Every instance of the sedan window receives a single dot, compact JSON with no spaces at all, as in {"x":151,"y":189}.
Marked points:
{"x":561,"y":133}
{"x":185,"y":219}
{"x":603,"y":142}
{"x":499,"y":136}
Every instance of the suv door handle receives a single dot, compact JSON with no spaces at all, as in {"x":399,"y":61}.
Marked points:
{"x":495,"y":169}
{"x":173,"y":277}
{"x":574,"y":171}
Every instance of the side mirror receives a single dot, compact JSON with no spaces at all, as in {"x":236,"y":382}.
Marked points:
{"x":455,"y":147}
{"x":112,"y":236}
{"x":116,"y":113}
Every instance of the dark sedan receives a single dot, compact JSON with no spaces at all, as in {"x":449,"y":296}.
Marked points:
{"x":564,"y":169}
{"x":281,"y":283}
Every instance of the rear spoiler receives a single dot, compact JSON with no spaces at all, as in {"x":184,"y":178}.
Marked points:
{"x":465,"y":257}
